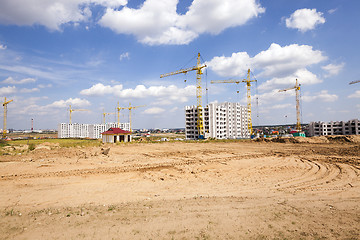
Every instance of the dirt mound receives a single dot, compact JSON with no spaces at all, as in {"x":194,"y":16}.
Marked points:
{"x":316,"y":139}
{"x":344,"y":139}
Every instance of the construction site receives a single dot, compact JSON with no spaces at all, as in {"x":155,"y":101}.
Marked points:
{"x":224,"y":180}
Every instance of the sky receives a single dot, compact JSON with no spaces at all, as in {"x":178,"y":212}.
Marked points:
{"x":92,"y":54}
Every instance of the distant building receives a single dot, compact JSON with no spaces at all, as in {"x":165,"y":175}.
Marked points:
{"x":78,"y":130}
{"x":114,"y":135}
{"x":351,"y":127}
{"x":221,"y":121}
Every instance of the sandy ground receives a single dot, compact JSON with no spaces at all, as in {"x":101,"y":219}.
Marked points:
{"x":216,"y":190}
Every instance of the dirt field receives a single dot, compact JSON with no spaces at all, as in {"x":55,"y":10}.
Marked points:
{"x":178,"y":190}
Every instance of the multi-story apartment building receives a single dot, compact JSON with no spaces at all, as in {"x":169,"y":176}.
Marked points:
{"x":221,"y":121}
{"x":351,"y":127}
{"x":77,"y":130}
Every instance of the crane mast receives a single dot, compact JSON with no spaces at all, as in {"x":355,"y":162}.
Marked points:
{"x":5,"y":115}
{"x":197,"y":68}
{"x":248,"y":95}
{"x":297,"y":90}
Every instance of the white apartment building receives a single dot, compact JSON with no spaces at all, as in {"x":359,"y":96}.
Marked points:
{"x":221,"y":121}
{"x":78,"y":130}
{"x":351,"y":127}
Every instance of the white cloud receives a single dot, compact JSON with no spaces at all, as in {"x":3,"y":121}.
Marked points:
{"x":154,"y":110}
{"x":236,"y":65}
{"x":125,"y":55}
{"x":281,"y":61}
{"x":157,"y":22}
{"x":7,"y":90}
{"x":2,"y":47}
{"x":101,"y":90}
{"x":51,"y":14}
{"x":280,"y":106}
{"x":29,"y":90}
{"x":44,"y":86}
{"x":162,"y":93}
{"x":331,"y":11}
{"x":354,"y":95}
{"x":213,"y":16}
{"x":276,"y":61}
{"x":76,"y":102}
{"x":10,"y":80}
{"x":323,"y":96}
{"x":333,"y":69}
{"x":305,"y":19}
{"x":273,"y":96}
{"x":303,"y":75}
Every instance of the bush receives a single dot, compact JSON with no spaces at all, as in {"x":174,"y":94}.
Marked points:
{"x":31,"y":146}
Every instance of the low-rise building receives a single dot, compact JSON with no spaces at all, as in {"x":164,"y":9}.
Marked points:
{"x":351,"y":127}
{"x":114,"y":135}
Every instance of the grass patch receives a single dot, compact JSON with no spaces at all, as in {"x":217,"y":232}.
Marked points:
{"x":63,"y":142}
{"x":3,"y":143}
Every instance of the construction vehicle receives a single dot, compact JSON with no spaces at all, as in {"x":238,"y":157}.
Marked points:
{"x":198,"y":68}
{"x":129,"y":108}
{"x":5,"y":103}
{"x":73,"y":110}
{"x":298,"y":124}
{"x":248,"y":95}
{"x":353,"y":82}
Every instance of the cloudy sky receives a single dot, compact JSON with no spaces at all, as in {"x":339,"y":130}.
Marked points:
{"x":92,"y":54}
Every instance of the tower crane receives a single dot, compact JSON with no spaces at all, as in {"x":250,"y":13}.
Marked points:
{"x":5,"y":103}
{"x":104,"y":116}
{"x":72,"y":110}
{"x":248,"y":95}
{"x":197,"y":68}
{"x":129,"y":108}
{"x":353,"y":82}
{"x":297,"y":89}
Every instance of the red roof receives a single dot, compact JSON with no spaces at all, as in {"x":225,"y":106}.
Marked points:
{"x":113,"y":131}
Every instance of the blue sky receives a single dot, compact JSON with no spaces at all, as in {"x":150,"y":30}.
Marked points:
{"x":94,"y":53}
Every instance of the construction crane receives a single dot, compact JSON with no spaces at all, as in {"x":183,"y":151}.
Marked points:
{"x":72,"y":110}
{"x":129,"y":108}
{"x":5,"y":103}
{"x":197,"y":68}
{"x":353,"y":82}
{"x":104,"y":115}
{"x":248,"y":95}
{"x":297,"y":90}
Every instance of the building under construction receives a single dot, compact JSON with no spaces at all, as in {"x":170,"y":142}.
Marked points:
{"x":351,"y":127}
{"x":221,"y":121}
{"x":78,"y":130}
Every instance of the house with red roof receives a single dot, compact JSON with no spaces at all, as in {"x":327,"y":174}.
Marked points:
{"x":114,"y":135}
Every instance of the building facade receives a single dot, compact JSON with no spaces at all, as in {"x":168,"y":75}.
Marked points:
{"x":351,"y":127}
{"x":77,"y":130}
{"x":221,"y":121}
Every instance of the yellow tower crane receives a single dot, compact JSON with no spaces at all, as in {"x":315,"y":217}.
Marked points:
{"x":248,"y":95}
{"x":297,"y":90}
{"x":73,"y":110}
{"x":197,"y":68}
{"x":104,"y":115}
{"x":5,"y":103}
{"x":353,"y":82}
{"x":129,"y":108}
